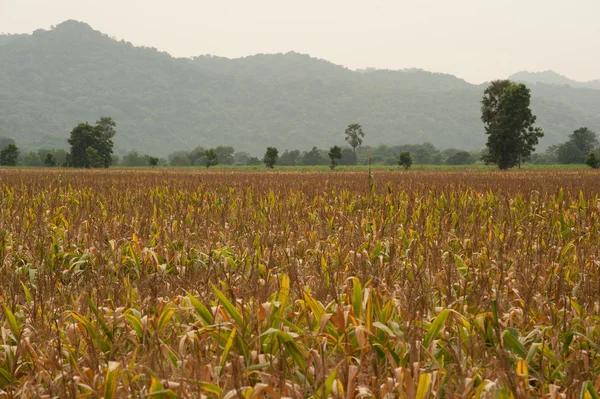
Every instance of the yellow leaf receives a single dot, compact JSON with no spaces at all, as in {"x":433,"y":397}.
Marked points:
{"x":424,"y":385}
{"x":522,"y":368}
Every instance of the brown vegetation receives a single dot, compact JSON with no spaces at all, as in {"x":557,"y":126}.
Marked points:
{"x":244,"y":284}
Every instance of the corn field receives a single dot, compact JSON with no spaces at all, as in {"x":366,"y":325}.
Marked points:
{"x":225,"y":284}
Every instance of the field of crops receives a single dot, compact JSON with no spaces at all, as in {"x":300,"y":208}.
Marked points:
{"x":418,"y":284}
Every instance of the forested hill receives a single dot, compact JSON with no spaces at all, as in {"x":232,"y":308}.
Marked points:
{"x":51,"y":80}
{"x":553,"y":78}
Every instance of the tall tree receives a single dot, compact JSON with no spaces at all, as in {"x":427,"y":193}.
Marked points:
{"x":212,"y":158}
{"x":508,"y":123}
{"x":354,"y":135}
{"x":313,"y":157}
{"x":225,"y":154}
{"x":9,"y":155}
{"x":270,"y":158}
{"x":335,"y":153}
{"x":50,"y":160}
{"x":581,"y":142}
{"x":97,"y":138}
{"x":405,"y":160}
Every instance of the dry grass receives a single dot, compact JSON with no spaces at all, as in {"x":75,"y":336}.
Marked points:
{"x":242,"y":284}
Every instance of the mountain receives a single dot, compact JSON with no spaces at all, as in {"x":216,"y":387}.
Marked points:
{"x":52,"y":80}
{"x":553,"y":78}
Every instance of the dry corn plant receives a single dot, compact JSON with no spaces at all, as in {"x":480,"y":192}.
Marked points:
{"x":418,"y":284}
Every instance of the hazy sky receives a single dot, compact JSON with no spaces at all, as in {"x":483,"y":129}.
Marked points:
{"x":477,"y":40}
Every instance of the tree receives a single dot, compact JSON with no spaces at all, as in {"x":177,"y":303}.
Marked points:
{"x":405,"y":160}
{"x":31,"y":159}
{"x":508,"y":123}
{"x":335,"y":153}
{"x":197,"y":156}
{"x":289,"y":158}
{"x":354,"y":135}
{"x":179,"y":160}
{"x":212,"y":158}
{"x":9,"y":155}
{"x":581,"y":142}
{"x":133,"y":159}
{"x":313,"y":157}
{"x":152,"y":161}
{"x":592,"y":161}
{"x":50,"y":160}
{"x":348,"y":157}
{"x":225,"y":155}
{"x":97,"y":138}
{"x":105,"y":131}
{"x":253,"y":161}
{"x":94,"y":158}
{"x":270,"y":158}
{"x":459,"y":158}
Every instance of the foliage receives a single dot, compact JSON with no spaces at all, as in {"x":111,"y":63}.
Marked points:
{"x":9,"y":155}
{"x":152,"y":161}
{"x":50,"y":160}
{"x":133,"y":159}
{"x":335,"y":153}
{"x":405,"y":160}
{"x":164,"y":103}
{"x":581,"y":142}
{"x":225,"y":155}
{"x":253,"y":161}
{"x":212,"y":158}
{"x":93,"y":158}
{"x":354,"y":135}
{"x":592,"y":161}
{"x":508,"y":123}
{"x":460,"y":158}
{"x":92,"y":146}
{"x":313,"y":157}
{"x":289,"y":158}
{"x":270,"y":158}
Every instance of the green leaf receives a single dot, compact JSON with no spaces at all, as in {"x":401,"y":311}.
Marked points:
{"x":588,"y":391}
{"x":567,"y":342}
{"x":227,"y":348}
{"x":435,"y":327}
{"x":327,"y":387}
{"x":112,"y":379}
{"x":28,"y":295}
{"x":12,"y":323}
{"x":164,"y":318}
{"x":513,"y":344}
{"x":103,"y":324}
{"x":231,"y":310}
{"x":357,"y":296}
{"x":202,"y":310}
{"x":136,"y":323}
{"x":210,"y":388}
{"x":385,"y":328}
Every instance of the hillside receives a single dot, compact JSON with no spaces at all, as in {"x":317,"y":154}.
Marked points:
{"x":553,"y":78}
{"x":51,"y":80}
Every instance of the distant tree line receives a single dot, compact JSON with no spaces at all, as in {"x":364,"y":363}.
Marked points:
{"x":505,"y":113}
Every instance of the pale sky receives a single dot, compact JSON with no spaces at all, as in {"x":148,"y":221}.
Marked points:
{"x":477,"y":40}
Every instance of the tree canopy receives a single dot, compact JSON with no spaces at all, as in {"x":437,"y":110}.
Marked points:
{"x":508,"y":123}
{"x":92,"y":146}
{"x":581,"y":142}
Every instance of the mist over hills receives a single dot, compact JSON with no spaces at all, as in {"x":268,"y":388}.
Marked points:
{"x":51,"y":80}
{"x":553,"y":78}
